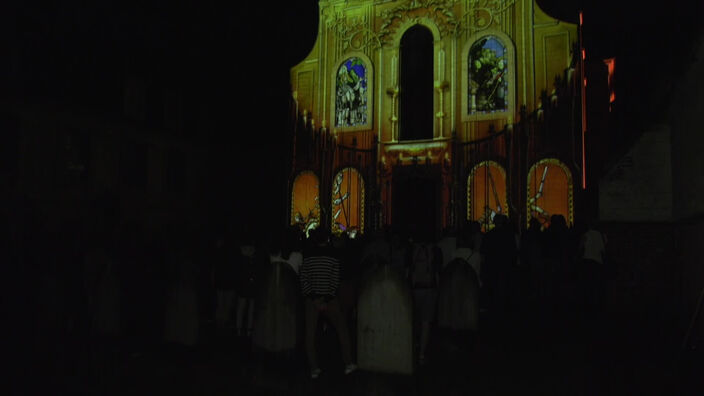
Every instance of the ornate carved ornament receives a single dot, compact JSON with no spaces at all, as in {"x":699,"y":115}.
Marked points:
{"x":353,"y":33}
{"x":482,"y":14}
{"x":439,"y":11}
{"x":403,"y":153}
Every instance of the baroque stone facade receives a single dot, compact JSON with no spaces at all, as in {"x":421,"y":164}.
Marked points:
{"x":491,"y":59}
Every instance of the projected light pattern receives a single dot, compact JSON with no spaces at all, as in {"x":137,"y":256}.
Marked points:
{"x":486,"y":193}
{"x":351,"y":94}
{"x":305,"y":203}
{"x":488,"y":76}
{"x":549,"y":191}
{"x":348,"y":202}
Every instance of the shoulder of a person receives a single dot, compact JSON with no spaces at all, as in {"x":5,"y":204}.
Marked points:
{"x":295,"y":257}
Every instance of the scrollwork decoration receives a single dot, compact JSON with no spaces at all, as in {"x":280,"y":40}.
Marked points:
{"x":353,"y":34}
{"x":482,"y":15}
{"x":440,"y":11}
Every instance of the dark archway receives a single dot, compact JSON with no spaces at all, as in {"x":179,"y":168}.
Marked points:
{"x":416,"y":206}
{"x":416,"y":89}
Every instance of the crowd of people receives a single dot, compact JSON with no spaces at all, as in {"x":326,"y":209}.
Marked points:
{"x":137,"y":289}
{"x":545,"y":267}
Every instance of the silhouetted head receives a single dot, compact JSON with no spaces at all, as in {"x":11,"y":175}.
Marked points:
{"x":379,"y":235}
{"x":534,"y":224}
{"x":592,"y":223}
{"x":464,"y":239}
{"x":319,"y":236}
{"x":500,"y":220}
{"x":395,"y":239}
{"x":557,"y":222}
{"x":475,"y":227}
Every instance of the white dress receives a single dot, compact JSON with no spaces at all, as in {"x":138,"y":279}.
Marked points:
{"x":295,"y":259}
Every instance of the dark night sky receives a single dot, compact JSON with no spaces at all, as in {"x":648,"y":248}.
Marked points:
{"x":76,"y":50}
{"x":235,"y":56}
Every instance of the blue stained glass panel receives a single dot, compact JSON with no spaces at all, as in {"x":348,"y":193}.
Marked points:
{"x":351,"y":94}
{"x":488,"y":76}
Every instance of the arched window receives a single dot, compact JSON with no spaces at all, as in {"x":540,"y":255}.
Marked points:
{"x":488,"y":83}
{"x":416,"y":84}
{"x":486,"y":193}
{"x":488,"y":76}
{"x":549,"y":191}
{"x":347,"y":202}
{"x":305,"y":203}
{"x":351,"y":94}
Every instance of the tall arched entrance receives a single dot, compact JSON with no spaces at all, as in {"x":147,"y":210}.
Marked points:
{"x":416,"y":90}
{"x":417,"y":201}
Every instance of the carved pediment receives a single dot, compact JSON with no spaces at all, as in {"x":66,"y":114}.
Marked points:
{"x":358,"y":33}
{"x":439,"y":11}
{"x":353,"y":32}
{"x":482,"y":14}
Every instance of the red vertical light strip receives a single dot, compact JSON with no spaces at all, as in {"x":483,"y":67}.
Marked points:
{"x":611,"y":65}
{"x":584,"y":104}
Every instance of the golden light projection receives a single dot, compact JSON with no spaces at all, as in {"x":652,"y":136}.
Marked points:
{"x":305,"y":201}
{"x":549,"y":192}
{"x":348,"y":202}
{"x":482,"y":62}
{"x":486,"y":193}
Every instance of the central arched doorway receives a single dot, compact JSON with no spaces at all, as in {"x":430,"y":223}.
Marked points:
{"x":416,"y":78}
{"x":416,"y":202}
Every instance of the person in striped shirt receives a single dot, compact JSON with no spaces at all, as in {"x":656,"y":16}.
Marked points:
{"x":320,"y":280}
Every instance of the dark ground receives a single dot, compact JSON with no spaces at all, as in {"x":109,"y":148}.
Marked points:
{"x":564,"y":355}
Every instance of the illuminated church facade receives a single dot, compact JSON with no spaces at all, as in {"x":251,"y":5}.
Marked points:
{"x":421,"y":115}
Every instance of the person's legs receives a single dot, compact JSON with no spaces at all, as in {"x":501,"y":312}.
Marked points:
{"x":424,"y":337}
{"x":250,"y":316}
{"x":311,"y":316}
{"x":337,"y":318}
{"x":241,"y":307}
{"x":224,"y":305}
{"x":584,"y":285}
{"x":424,"y":300}
{"x":229,"y":307}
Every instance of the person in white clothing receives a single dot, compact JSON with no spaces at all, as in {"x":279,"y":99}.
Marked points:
{"x":288,"y":250}
{"x":465,"y":251}
{"x":592,"y":254}
{"x":447,"y":245}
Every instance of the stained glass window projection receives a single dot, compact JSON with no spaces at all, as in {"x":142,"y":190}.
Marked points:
{"x":549,"y":191}
{"x":305,"y":204}
{"x":486,"y":193}
{"x":488,"y":76}
{"x":351,"y":94}
{"x":348,"y":202}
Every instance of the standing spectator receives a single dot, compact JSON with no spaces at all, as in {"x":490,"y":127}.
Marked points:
{"x":447,"y":245}
{"x":182,"y":317}
{"x":377,"y":249}
{"x":224,"y":281}
{"x":320,"y":280}
{"x":102,"y":285}
{"x":500,"y":253}
{"x":592,"y":254}
{"x":476,"y":236}
{"x":399,"y":253}
{"x":287,"y":249}
{"x":424,"y":274}
{"x":531,"y":256}
{"x":466,"y":251}
{"x":248,"y":270}
{"x":556,"y":255}
{"x":347,"y":292}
